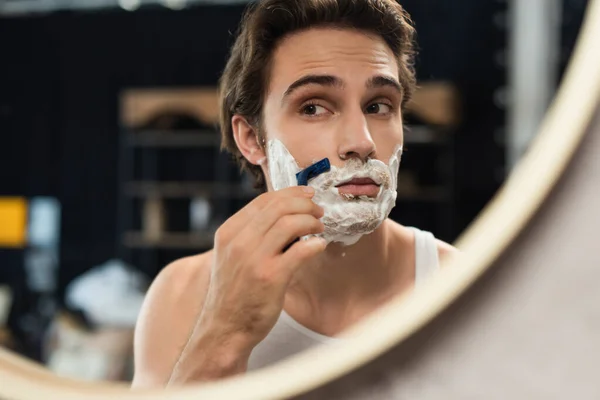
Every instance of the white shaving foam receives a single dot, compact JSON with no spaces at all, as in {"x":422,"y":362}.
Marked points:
{"x":347,"y":218}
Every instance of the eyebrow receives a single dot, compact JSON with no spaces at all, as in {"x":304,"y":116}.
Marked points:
{"x":322,"y":80}
{"x":374,"y":82}
{"x":380,"y":81}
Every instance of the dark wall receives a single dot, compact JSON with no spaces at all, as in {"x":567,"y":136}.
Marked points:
{"x":60,"y":78}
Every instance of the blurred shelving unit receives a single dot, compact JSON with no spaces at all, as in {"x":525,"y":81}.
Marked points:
{"x":427,"y":178}
{"x":185,"y":241}
{"x":170,"y":159}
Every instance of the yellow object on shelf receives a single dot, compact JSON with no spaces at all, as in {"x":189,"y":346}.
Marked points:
{"x":13,"y":221}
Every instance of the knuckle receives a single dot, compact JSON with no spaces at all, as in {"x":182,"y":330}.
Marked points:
{"x":292,"y":189}
{"x":317,"y":209}
{"x":301,"y":252}
{"x":278,"y":207}
{"x":286,"y":223}
{"x":263,"y":197}
{"x":236,"y":250}
{"x":318,"y":225}
{"x":265,"y":275}
{"x":221,"y":235}
{"x":261,"y":200}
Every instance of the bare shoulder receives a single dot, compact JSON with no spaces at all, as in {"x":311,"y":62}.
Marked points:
{"x":447,"y":252}
{"x":181,"y":280}
{"x":181,"y":274}
{"x":167,"y":317}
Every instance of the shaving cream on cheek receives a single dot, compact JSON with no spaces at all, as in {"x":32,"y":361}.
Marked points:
{"x":282,"y":165}
{"x":346,"y":218}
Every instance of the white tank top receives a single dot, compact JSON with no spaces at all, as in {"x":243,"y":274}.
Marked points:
{"x":289,"y":337}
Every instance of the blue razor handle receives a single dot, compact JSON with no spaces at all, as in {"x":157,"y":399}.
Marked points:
{"x":313,"y":171}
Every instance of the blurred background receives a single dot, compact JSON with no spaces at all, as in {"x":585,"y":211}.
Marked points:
{"x":110,"y":165}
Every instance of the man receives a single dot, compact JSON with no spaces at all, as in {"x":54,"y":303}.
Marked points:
{"x":306,"y":80}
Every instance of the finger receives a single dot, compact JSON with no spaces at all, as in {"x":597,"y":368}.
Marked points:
{"x":287,"y":229}
{"x":301,"y":252}
{"x":257,"y":206}
{"x":278,"y":208}
{"x":262,"y":201}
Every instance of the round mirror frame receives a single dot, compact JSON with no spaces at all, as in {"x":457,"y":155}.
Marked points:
{"x":483,"y":242}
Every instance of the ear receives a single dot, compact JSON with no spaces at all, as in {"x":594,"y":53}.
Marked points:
{"x":246,"y":138}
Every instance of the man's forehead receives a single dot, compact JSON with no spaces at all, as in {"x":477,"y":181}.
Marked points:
{"x":332,"y":52}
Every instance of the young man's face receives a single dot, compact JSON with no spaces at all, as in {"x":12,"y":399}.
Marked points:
{"x":334,"y":93}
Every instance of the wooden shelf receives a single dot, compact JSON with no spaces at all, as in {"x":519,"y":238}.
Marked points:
{"x":138,"y":106}
{"x":206,"y":138}
{"x":436,"y":103}
{"x":6,"y":338}
{"x":171,"y":240}
{"x":187,"y":190}
{"x":424,"y":135}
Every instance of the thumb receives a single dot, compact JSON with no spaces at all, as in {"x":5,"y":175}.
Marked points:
{"x":302,"y":251}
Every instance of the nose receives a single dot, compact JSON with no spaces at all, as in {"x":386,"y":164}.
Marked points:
{"x":355,"y":138}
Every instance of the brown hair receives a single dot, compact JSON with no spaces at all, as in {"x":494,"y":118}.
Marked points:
{"x":265,"y":23}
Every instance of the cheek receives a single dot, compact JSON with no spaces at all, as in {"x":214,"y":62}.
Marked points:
{"x":307,"y":152}
{"x":307,"y":143}
{"x":386,"y":138}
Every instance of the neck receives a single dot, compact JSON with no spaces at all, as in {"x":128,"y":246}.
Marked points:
{"x":353,"y":277}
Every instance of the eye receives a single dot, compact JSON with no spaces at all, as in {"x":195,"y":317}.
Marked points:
{"x":313,"y":110}
{"x":379,"y":108}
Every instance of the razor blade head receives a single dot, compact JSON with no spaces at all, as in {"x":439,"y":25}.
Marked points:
{"x":313,"y":171}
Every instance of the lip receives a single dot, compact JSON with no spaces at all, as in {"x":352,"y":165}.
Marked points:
{"x":358,"y":181}
{"x":359,"y":187}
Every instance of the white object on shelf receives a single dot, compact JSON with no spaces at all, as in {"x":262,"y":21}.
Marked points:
{"x":154,"y":218}
{"x":200,"y":212}
{"x":44,"y":222}
{"x":110,"y":295}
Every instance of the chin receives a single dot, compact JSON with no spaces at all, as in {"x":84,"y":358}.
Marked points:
{"x":349,"y":231}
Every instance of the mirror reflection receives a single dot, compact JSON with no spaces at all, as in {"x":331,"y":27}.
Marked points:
{"x":368,"y":135}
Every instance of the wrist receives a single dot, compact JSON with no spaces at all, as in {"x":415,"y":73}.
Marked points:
{"x":228,"y":352}
{"x":212,"y":355}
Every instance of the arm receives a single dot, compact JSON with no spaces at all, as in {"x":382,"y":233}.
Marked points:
{"x":203,"y":315}
{"x":168,"y":316}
